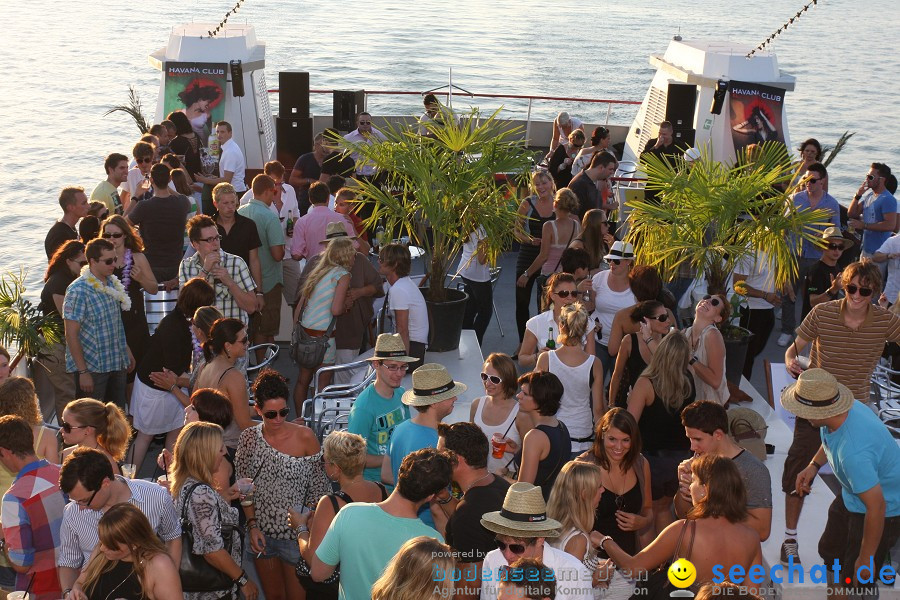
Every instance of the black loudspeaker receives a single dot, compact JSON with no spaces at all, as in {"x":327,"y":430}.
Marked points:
{"x":680,"y":104}
{"x":718,"y":97}
{"x":347,"y":104}
{"x":684,"y":137}
{"x":237,"y":78}
{"x":293,"y":138}
{"x":293,"y":95}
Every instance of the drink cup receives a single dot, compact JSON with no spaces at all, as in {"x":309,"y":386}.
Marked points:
{"x":163,"y":481}
{"x":498,"y":445}
{"x":18,"y":596}
{"x":128,"y":470}
{"x":804,"y":362}
{"x":245,"y":488}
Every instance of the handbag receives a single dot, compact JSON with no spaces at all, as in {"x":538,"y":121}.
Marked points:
{"x":658,"y":586}
{"x":748,"y":428}
{"x":308,"y":351}
{"x":197,"y":575}
{"x":328,"y":589}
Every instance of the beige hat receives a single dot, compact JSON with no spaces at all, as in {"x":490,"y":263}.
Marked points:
{"x":432,"y":384}
{"x":336,"y":230}
{"x":833,"y":234}
{"x":389,"y":346}
{"x":817,"y":395}
{"x":524,"y":514}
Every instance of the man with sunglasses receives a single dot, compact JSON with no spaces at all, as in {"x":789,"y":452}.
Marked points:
{"x":813,"y":196}
{"x":96,"y":351}
{"x":107,"y":191}
{"x":847,"y":338}
{"x":137,"y":184}
{"x":823,"y":282}
{"x":87,"y":479}
{"x":873,"y":210}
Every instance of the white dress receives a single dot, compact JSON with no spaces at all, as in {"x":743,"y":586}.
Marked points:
{"x":507,"y":429}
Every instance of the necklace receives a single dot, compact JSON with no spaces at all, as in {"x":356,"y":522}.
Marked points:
{"x":128,"y":259}
{"x":471,"y":485}
{"x":113,"y":288}
{"x":121,"y":583}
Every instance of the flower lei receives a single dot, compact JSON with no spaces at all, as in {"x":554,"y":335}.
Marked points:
{"x":128,"y":259}
{"x":198,"y":347}
{"x":116,"y":290}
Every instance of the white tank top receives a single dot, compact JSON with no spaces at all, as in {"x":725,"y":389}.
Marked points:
{"x":506,"y":429}
{"x":575,"y":409}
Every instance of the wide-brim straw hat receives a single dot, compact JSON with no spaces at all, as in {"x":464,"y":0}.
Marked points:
{"x":432,"y":384}
{"x":389,"y":346}
{"x":833,"y":234}
{"x":336,"y":230}
{"x":524,"y":514}
{"x":817,"y":395}
{"x":620,"y":250}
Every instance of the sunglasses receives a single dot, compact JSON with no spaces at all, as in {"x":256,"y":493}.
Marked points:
{"x":514,"y":548}
{"x":113,"y":235}
{"x":68,"y":428}
{"x":835,"y":246}
{"x":104,"y":216}
{"x":396,"y":368}
{"x":271,"y":414}
{"x":88,"y":501}
{"x":712,"y":300}
{"x":567,"y":293}
{"x":660,"y":318}
{"x":871,"y":177}
{"x":813,"y":180}
{"x":144,"y":160}
{"x":211,"y":239}
{"x":864,"y":292}
{"x":108,"y":261}
{"x":492,"y":378}
{"x":616,"y":261}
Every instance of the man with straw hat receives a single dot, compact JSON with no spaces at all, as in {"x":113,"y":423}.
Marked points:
{"x":522,"y":527}
{"x":378,"y":409}
{"x":823,"y":282}
{"x":433,"y":395}
{"x":864,"y":520}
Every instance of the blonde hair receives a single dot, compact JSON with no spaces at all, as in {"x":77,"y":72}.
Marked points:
{"x":108,"y":421}
{"x":413,"y":572}
{"x":566,"y":200}
{"x":347,"y":451}
{"x":338,"y":253}
{"x":668,"y":371}
{"x":195,"y":453}
{"x":573,"y":321}
{"x":17,"y":398}
{"x":541,"y":174}
{"x":123,"y":525}
{"x":571,"y":499}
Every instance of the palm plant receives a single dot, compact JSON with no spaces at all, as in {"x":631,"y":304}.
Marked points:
{"x":712,"y":216}
{"x":440,"y":188}
{"x":133,"y":109}
{"x":22,"y":325}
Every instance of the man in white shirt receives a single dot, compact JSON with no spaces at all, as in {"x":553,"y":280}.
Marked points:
{"x":231,"y":161}
{"x":364,"y":133}
{"x":405,"y":301}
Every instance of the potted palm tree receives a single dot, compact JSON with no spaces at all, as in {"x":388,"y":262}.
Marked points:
{"x":438,"y":189}
{"x":22,"y":325}
{"x":712,"y":216}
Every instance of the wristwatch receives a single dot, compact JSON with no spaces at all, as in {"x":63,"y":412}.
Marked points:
{"x":693,"y":360}
{"x":301,"y":529}
{"x":242,"y":580}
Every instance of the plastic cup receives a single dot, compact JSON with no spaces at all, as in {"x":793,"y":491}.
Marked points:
{"x":18,"y":596}
{"x":245,"y":489}
{"x":804,"y":362}
{"x":163,"y":481}
{"x":128,"y":470}
{"x":498,"y":445}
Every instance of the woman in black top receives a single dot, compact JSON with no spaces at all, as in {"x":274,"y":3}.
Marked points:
{"x":636,"y":349}
{"x":534,"y":211}
{"x":561,"y":160}
{"x":547,"y":447}
{"x":186,"y":143}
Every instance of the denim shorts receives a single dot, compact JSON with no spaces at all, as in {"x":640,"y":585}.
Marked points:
{"x":286,"y":550}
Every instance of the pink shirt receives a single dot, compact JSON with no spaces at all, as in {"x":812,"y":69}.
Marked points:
{"x":310,"y":230}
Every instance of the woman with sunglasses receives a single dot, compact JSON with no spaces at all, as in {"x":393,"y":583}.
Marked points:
{"x":645,"y":284}
{"x":64,"y":267}
{"x":226,"y":345}
{"x":157,"y":410}
{"x":533,"y":212}
{"x":543,"y":328}
{"x":611,"y":292}
{"x":581,"y":374}
{"x":707,"y":362}
{"x":595,"y":239}
{"x":497,"y":412}
{"x":653,"y":322}
{"x":90,"y":423}
{"x":284,"y":460}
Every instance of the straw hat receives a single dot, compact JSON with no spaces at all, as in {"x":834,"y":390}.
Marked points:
{"x":336,"y":230}
{"x":817,"y":395}
{"x":833,"y":234}
{"x":432,"y":384}
{"x":620,"y":250}
{"x":524,"y":514}
{"x":389,"y":346}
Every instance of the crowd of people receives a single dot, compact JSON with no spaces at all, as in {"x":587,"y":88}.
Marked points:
{"x":599,"y":451}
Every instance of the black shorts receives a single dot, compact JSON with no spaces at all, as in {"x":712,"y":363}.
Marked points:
{"x":803,"y":449}
{"x":664,"y":471}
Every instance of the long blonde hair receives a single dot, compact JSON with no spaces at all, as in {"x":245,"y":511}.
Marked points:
{"x":123,"y":525}
{"x":339,"y":253}
{"x":108,"y":421}
{"x":668,"y":371}
{"x":415,"y":572}
{"x":196,"y":449}
{"x":571,"y":499}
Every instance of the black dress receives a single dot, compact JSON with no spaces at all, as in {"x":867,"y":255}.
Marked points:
{"x":634,"y":366}
{"x":119,"y":582}
{"x":605,"y":517}
{"x":560,"y":452}
{"x":137,"y":334}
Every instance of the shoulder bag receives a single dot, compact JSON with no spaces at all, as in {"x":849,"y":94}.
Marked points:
{"x":197,"y":575}
{"x":308,"y":351}
{"x":658,"y":586}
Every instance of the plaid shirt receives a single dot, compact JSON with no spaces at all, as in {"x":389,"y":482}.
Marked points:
{"x":102,"y":334}
{"x":237,"y":270}
{"x":32,"y":514}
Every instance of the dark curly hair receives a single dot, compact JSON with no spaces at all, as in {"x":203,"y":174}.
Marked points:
{"x":269,"y":384}
{"x":466,"y":440}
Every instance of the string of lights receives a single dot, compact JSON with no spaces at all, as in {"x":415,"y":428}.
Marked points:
{"x":784,"y":27}
{"x":214,"y":32}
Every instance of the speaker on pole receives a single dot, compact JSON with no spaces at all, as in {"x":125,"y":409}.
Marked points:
{"x":293,"y":94}
{"x":347,"y":104}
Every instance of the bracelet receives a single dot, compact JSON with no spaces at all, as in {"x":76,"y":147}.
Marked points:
{"x":66,"y":592}
{"x":83,"y":371}
{"x":251,"y":520}
{"x":648,"y":340}
{"x":253,"y":526}
{"x":813,"y":463}
{"x":605,"y":539}
{"x":857,"y":197}
{"x":174,"y":385}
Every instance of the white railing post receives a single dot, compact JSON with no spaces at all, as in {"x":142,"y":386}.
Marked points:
{"x":608,"y":111}
{"x":528,"y":124}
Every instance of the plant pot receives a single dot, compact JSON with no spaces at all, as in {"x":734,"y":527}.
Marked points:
{"x":736,"y":353}
{"x":445,"y":321}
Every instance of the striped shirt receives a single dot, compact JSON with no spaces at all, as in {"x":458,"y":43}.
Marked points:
{"x":101,"y":334}
{"x":317,"y":312}
{"x":237,"y":270}
{"x":848,"y":354}
{"x":79,"y":525}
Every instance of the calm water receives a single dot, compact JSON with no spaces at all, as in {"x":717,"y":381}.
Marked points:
{"x":63,"y":65}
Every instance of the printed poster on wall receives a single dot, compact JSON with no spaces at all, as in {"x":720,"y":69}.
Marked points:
{"x":197,"y":90}
{"x":756,"y":112}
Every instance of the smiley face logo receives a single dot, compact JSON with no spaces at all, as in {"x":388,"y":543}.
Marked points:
{"x":682,"y":573}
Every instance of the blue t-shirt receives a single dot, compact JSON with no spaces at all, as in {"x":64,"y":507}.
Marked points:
{"x":862,"y":454}
{"x":827,"y":202}
{"x":874,"y":209}
{"x":374,"y":417}
{"x":407,"y":438}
